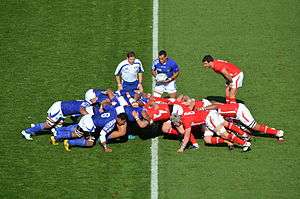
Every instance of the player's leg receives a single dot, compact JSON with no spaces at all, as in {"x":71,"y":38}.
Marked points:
{"x":268,"y":130}
{"x":227,"y":95}
{"x":216,"y":122}
{"x":232,"y":127}
{"x":158,"y":90}
{"x":54,"y":116}
{"x":237,"y":83}
{"x":170,"y":88}
{"x":59,"y":134}
{"x":81,"y":142}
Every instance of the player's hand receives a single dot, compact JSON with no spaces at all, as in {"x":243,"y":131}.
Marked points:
{"x":120,"y":87}
{"x":168,"y":80}
{"x":140,"y":87}
{"x":135,"y":114}
{"x":107,"y":150}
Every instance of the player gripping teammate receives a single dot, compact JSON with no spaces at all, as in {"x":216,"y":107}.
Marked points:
{"x":232,"y":74}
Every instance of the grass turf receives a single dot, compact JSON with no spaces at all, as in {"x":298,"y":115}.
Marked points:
{"x":56,"y":50}
{"x":262,"y":38}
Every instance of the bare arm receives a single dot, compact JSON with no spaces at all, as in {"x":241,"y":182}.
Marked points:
{"x":118,"y":79}
{"x":154,"y":73}
{"x":83,"y":111}
{"x":185,"y":140}
{"x":226,"y":75}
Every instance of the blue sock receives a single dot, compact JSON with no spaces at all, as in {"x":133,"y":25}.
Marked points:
{"x":77,"y":142}
{"x":60,"y":135}
{"x":36,"y":129}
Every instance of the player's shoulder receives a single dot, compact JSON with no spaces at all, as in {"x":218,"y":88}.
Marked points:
{"x":124,"y":62}
{"x":137,"y":61}
{"x":156,"y":61}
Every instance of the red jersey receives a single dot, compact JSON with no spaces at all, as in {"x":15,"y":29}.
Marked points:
{"x":159,"y":112}
{"x":228,"y":110}
{"x":219,"y":65}
{"x":193,"y":118}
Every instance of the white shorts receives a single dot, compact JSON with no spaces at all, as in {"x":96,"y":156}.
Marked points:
{"x":86,"y":124}
{"x":208,"y":132}
{"x":161,"y":88}
{"x":54,"y":113}
{"x":243,"y":114}
{"x":214,"y":122}
{"x":237,"y":81}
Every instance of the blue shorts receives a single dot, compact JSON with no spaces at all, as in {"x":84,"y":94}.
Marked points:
{"x":130,"y":86}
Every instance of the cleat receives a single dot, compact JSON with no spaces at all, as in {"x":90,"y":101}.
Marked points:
{"x":195,"y":146}
{"x":66,"y":145}
{"x":279,"y":134}
{"x":26,"y":135}
{"x":230,"y":146}
{"x":53,"y":141}
{"x":246,"y":147}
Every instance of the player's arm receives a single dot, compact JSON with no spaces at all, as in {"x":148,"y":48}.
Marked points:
{"x":187,"y":134}
{"x":153,"y":72}
{"x":83,"y":111}
{"x":226,"y":75}
{"x":140,"y":79}
{"x":141,"y":122}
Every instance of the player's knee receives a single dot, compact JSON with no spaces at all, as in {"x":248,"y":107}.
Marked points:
{"x":207,"y":139}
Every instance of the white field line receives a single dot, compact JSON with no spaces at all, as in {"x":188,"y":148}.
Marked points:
{"x":154,"y":141}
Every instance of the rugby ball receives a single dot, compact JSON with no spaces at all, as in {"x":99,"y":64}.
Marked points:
{"x":161,"y":77}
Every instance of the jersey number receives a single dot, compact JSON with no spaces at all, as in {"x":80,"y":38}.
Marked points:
{"x":105,"y":115}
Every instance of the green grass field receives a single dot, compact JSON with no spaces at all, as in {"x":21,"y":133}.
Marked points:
{"x":56,"y":50}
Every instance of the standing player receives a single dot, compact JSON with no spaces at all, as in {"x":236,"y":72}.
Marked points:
{"x":165,"y":71}
{"x":129,"y":74}
{"x":232,"y":74}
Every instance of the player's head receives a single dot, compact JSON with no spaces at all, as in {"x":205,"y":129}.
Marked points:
{"x":90,"y":96}
{"x":207,"y":60}
{"x":176,"y":119}
{"x":131,"y":57}
{"x":121,"y":118}
{"x":162,"y":56}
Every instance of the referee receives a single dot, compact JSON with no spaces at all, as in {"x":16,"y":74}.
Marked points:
{"x":129,"y":74}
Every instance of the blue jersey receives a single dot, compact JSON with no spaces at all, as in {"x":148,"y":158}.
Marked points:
{"x":72,"y":107}
{"x":105,"y":121}
{"x":101,"y":95}
{"x":168,"y":68}
{"x":130,"y":109}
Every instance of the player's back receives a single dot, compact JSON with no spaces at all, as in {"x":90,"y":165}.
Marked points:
{"x":228,"y":110}
{"x":72,"y":107}
{"x":100,"y":120}
{"x":232,"y":69}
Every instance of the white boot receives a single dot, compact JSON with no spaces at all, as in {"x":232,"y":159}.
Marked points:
{"x":27,"y":136}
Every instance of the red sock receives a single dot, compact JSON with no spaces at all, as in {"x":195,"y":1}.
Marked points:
{"x":235,"y":139}
{"x":232,"y":100}
{"x":172,"y":132}
{"x":216,"y":140}
{"x":236,"y":129}
{"x":267,"y":130}
{"x":227,"y":100}
{"x":193,"y":139}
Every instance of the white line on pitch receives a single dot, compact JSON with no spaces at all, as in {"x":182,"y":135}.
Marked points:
{"x":154,"y":141}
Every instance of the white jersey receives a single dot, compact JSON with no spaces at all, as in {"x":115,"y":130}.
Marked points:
{"x":129,"y":72}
